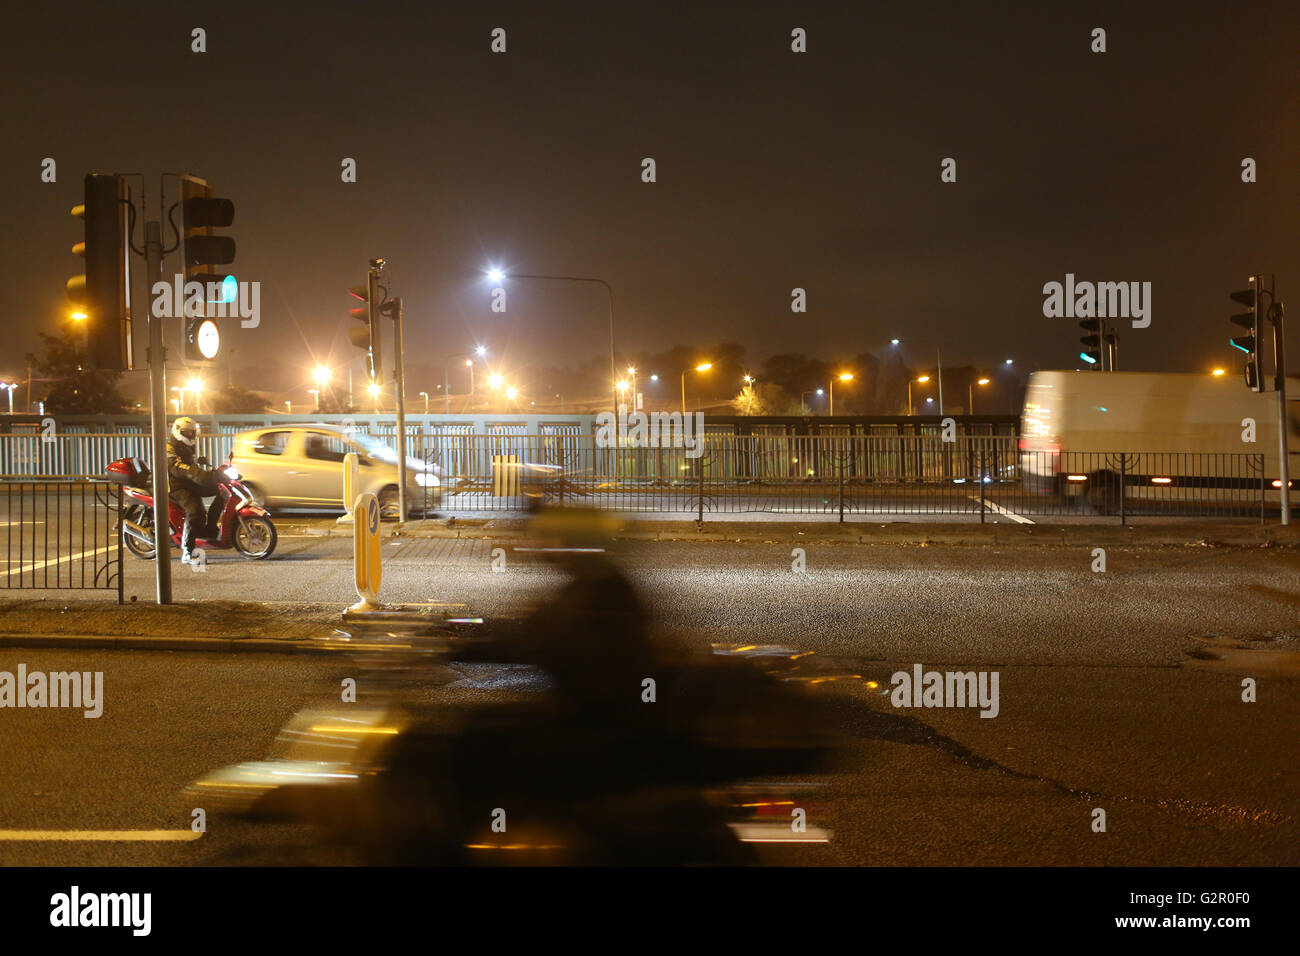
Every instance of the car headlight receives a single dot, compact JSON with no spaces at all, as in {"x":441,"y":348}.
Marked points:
{"x":426,"y":480}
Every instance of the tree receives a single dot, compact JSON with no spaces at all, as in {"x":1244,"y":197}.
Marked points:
{"x":237,"y":400}
{"x":73,"y":387}
{"x":765,"y":398}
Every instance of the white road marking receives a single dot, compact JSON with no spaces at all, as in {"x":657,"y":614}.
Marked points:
{"x":1003,"y":511}
{"x":27,"y":568}
{"x":77,"y":836}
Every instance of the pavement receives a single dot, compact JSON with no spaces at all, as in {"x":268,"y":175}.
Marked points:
{"x":308,"y":581}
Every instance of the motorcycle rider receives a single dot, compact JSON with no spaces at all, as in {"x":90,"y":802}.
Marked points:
{"x":189,"y":481}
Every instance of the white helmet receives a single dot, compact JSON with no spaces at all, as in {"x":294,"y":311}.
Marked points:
{"x":185,"y":429}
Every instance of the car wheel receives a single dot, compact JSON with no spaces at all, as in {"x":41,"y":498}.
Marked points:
{"x":389,"y":505}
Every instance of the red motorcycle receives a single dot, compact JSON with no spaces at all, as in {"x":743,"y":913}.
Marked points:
{"x":235,"y":520}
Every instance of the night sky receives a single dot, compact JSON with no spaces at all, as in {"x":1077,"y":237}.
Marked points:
{"x":775,"y":170}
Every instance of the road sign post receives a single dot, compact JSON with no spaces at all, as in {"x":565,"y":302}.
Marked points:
{"x":367,"y":566}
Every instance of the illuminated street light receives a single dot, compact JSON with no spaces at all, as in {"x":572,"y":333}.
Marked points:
{"x":494,"y":380}
{"x":1217,"y":372}
{"x":79,"y":316}
{"x":702,"y":367}
{"x":893,"y":341}
{"x":511,"y":392}
{"x":970,"y":395}
{"x":499,"y":275}
{"x":844,"y":377}
{"x":322,"y":375}
{"x":425,"y":396}
{"x":316,"y":393}
{"x":911,"y":409}
{"x":480,"y":351}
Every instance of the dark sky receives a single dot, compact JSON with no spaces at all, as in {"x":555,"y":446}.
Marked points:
{"x":775,"y":170}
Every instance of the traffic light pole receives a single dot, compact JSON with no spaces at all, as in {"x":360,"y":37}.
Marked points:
{"x":399,"y":387}
{"x":1276,"y":313}
{"x":158,"y":421}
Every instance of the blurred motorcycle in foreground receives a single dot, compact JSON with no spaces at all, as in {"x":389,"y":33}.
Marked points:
{"x":630,"y":751}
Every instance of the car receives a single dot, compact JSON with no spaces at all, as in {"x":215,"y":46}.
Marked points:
{"x":301,"y":466}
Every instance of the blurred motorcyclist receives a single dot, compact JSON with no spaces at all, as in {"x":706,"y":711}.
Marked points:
{"x":189,"y":481}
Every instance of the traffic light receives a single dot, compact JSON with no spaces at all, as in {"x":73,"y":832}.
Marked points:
{"x":367,"y":314}
{"x":1094,"y":342}
{"x":104,"y":291}
{"x":201,"y":253}
{"x":1249,"y":342}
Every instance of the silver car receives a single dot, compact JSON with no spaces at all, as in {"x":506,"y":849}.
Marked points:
{"x":301,"y":466}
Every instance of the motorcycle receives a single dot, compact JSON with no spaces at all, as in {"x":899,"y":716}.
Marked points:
{"x":235,"y":520}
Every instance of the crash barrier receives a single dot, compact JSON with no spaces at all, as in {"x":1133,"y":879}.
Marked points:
{"x":62,"y":534}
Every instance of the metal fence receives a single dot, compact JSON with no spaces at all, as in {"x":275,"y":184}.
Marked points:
{"x":848,"y":476}
{"x":62,"y":534}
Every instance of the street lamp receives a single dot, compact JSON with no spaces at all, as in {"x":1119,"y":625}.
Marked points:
{"x":288,"y":405}
{"x":373,"y":388}
{"x":425,"y":396}
{"x":703,"y":367}
{"x":9,"y":387}
{"x":844,"y":377}
{"x":497,"y":275}
{"x":970,"y":391}
{"x":911,"y":409}
{"x":819,"y":391}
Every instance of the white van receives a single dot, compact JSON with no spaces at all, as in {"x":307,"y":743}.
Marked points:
{"x":1080,"y":431}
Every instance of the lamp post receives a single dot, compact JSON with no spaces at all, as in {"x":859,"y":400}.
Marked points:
{"x":938,"y":367}
{"x":425,"y":396}
{"x":819,"y":391}
{"x":703,"y":367}
{"x":844,"y":377}
{"x":497,"y":275}
{"x":911,"y":409}
{"x":316,"y":393}
{"x":446,"y":381}
{"x":9,"y":387}
{"x":970,"y":391}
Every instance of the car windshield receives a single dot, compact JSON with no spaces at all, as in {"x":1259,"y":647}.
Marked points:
{"x":376,"y":448}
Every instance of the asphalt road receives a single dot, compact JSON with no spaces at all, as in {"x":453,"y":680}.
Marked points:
{"x":1118,"y":690}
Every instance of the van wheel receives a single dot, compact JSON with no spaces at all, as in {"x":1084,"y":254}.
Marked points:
{"x":1104,"y":492}
{"x":389,"y":505}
